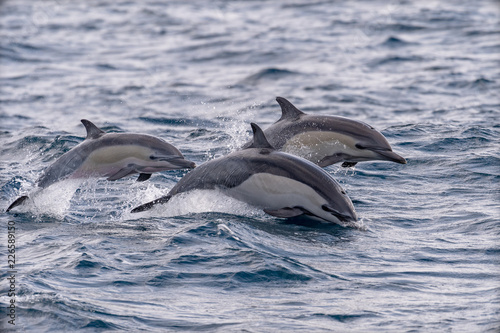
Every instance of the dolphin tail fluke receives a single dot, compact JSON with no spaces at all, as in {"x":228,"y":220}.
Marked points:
{"x":16,"y":203}
{"x":149,"y":205}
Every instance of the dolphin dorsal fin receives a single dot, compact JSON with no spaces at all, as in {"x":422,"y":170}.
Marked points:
{"x":288,"y":110}
{"x":93,"y":132}
{"x":259,"y":139}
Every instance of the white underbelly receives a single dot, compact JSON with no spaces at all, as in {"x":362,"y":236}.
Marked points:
{"x":272,"y":192}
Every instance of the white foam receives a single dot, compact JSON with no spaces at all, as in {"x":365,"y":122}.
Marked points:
{"x":54,"y":200}
{"x":197,"y":201}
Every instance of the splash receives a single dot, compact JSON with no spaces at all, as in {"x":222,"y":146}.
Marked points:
{"x":194,"y":202}
{"x":54,"y":201}
{"x":238,"y":127}
{"x":238,"y":131}
{"x":359,"y":225}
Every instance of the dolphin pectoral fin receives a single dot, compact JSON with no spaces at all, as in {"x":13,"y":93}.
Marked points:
{"x":149,"y":205}
{"x":285,"y":212}
{"x":349,"y":164}
{"x":143,"y":177}
{"x":124,"y":172}
{"x":18,"y":202}
{"x":332,"y":159}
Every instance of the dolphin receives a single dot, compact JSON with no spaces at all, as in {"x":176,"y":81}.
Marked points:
{"x":326,"y":140}
{"x":112,"y":155}
{"x":281,"y":184}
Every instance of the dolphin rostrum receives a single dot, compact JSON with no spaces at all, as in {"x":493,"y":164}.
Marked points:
{"x":112,"y":155}
{"x":326,"y":140}
{"x":281,"y":184}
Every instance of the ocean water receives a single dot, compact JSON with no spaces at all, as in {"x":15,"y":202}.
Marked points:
{"x":425,"y":254}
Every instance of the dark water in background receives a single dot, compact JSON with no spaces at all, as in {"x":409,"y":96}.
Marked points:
{"x":426,"y":256}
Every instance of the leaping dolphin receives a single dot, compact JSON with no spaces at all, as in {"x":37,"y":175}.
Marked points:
{"x":326,"y":140}
{"x":283,"y":185}
{"x":112,"y":155}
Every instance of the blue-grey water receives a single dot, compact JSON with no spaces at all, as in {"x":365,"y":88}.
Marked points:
{"x":425,"y":255}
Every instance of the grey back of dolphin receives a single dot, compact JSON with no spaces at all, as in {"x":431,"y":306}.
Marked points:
{"x":326,"y":140}
{"x":294,"y":185}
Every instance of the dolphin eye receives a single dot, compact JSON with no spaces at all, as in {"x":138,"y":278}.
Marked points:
{"x":153,"y":157}
{"x":357,"y":145}
{"x":343,"y":192}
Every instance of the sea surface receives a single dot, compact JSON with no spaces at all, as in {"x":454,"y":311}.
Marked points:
{"x":425,"y":253}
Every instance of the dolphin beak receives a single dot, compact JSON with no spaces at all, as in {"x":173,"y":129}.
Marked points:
{"x":345,"y":217}
{"x":389,"y":155}
{"x":182,"y":163}
{"x":349,"y":216}
{"x":192,"y":165}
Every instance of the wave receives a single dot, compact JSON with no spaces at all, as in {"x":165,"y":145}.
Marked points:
{"x":268,"y":74}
